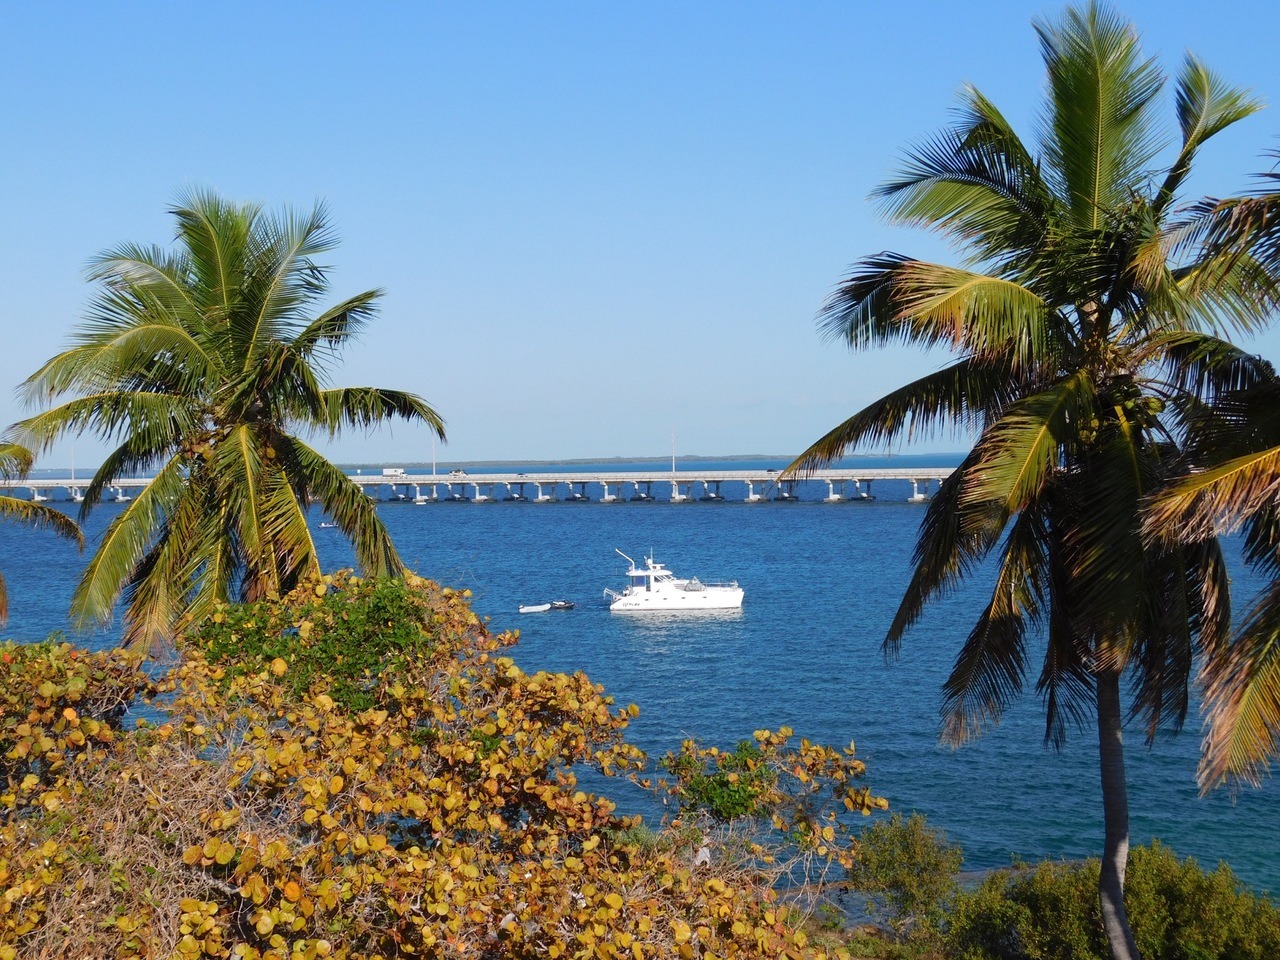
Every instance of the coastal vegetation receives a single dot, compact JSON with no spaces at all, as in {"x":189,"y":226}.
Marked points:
{"x":202,"y":364}
{"x":358,"y":770}
{"x":352,"y":765}
{"x":1089,"y":317}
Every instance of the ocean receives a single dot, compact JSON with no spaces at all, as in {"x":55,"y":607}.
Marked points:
{"x":822,"y":581}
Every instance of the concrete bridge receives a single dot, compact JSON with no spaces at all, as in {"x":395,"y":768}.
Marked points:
{"x":668,"y":486}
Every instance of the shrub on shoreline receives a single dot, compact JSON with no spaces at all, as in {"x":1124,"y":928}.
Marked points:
{"x":1050,"y":912}
{"x":358,"y":771}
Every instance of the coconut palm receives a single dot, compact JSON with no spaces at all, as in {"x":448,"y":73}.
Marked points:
{"x":202,"y":365}
{"x":15,"y":462}
{"x":1088,"y":319}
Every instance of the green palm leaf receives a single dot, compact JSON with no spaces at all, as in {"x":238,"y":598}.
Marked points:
{"x":960,"y":396}
{"x":1100,"y":138}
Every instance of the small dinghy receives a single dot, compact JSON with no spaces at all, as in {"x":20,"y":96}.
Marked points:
{"x":534,"y":607}
{"x":561,"y":604}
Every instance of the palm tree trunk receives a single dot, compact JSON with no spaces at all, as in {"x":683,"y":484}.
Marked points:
{"x":1115,"y":815}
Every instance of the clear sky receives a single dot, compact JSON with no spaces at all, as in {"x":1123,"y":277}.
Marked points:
{"x":597,"y":224}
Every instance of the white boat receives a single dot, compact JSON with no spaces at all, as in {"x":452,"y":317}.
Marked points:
{"x":535,"y":607}
{"x":654,"y":587}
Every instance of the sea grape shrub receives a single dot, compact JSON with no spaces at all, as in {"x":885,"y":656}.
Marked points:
{"x":60,"y":710}
{"x":1178,"y":912}
{"x":357,"y":770}
{"x":57,"y":703}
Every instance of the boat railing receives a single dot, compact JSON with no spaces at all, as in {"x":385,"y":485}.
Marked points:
{"x":611,"y":594}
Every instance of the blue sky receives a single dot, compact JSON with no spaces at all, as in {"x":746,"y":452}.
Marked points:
{"x":597,"y":224}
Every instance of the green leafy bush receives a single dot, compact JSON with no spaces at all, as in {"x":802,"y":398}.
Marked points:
{"x":725,"y":785}
{"x":1185,"y":913}
{"x":908,"y":871}
{"x":1177,"y":910}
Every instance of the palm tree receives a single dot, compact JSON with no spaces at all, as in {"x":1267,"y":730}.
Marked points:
{"x":1088,"y":320}
{"x":15,"y":461}
{"x":200,"y":364}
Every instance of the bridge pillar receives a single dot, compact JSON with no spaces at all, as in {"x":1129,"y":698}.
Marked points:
{"x":752,"y":496}
{"x":832,"y":496}
{"x":610,"y":497}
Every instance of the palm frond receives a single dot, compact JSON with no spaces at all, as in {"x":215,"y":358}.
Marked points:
{"x":125,"y":544}
{"x":1205,"y":366}
{"x":977,"y":181}
{"x":339,"y":323}
{"x":351,"y":509}
{"x":1206,"y":106}
{"x":15,"y":460}
{"x":1242,"y":699}
{"x":953,"y":541}
{"x":161,"y":586}
{"x":1066,"y":683}
{"x":985,"y":315}
{"x":990,"y":669}
{"x":1019,"y":452}
{"x":1099,"y":139}
{"x":1104,"y":552}
{"x":39,"y":516}
{"x":157,"y":422}
{"x":1216,"y":500}
{"x":962,"y":395}
{"x":366,"y":407}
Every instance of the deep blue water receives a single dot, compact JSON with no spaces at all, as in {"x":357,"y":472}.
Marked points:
{"x":822,"y":582}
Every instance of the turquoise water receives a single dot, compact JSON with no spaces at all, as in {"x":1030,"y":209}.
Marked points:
{"x":822,"y":582}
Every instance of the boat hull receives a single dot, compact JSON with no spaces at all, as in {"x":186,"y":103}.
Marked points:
{"x":711,"y":598}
